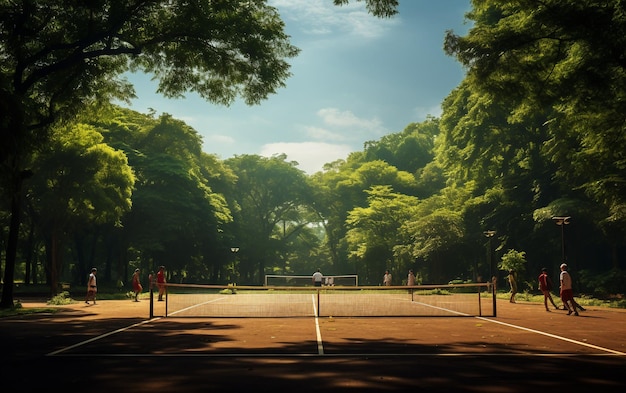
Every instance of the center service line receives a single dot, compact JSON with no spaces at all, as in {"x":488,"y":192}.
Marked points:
{"x":320,"y":346}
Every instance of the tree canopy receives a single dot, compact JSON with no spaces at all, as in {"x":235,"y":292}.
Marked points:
{"x":58,"y":57}
{"x":534,"y":131}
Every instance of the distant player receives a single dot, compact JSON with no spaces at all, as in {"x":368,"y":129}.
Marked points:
{"x":92,"y":288}
{"x":387,"y":278}
{"x":317,"y":278}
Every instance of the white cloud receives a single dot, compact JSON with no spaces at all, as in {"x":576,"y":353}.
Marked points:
{"x":321,"y":17}
{"x":215,"y":138}
{"x":322,"y":134}
{"x":347,"y":124}
{"x":335,"y":117}
{"x":311,"y":156}
{"x":422,"y":112}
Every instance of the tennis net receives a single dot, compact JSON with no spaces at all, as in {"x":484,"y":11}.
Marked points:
{"x":194,"y":300}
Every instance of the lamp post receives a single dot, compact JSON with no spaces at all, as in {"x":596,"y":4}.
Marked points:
{"x":562,"y":221}
{"x":490,"y":234}
{"x":234,"y":250}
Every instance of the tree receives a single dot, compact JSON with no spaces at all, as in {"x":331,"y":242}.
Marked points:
{"x":58,"y":56}
{"x":343,"y":187}
{"x":271,"y":193}
{"x":78,"y":183}
{"x":376,"y":227}
{"x":551,"y":69}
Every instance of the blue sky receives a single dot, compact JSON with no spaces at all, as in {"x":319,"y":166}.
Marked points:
{"x":356,"y":79}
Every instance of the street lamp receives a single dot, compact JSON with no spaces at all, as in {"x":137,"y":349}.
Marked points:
{"x":562,"y":221}
{"x":490,"y":235}
{"x":234,"y":250}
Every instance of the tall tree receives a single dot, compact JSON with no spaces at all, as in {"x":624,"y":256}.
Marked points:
{"x":342,"y":187}
{"x":56,"y":56}
{"x":375,"y":227}
{"x":78,"y":183}
{"x":271,"y":193}
{"x":559,"y":67}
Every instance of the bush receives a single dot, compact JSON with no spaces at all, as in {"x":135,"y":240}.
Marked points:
{"x":61,"y":299}
{"x":603,"y":286}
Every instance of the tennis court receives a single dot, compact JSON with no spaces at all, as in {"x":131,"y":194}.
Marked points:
{"x":114,"y":345}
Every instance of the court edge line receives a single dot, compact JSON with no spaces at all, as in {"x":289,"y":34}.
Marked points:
{"x":116,"y":331}
{"x":101,"y":336}
{"x":321,"y":347}
{"x":554,"y":336}
{"x":542,"y":333}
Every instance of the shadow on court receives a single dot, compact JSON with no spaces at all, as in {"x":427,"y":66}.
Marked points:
{"x":101,"y":354}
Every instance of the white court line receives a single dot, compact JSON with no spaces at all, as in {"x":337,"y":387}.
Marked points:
{"x":122,"y":329}
{"x":99,"y":337}
{"x":442,"y":309}
{"x":320,"y":346}
{"x":197,"y":305}
{"x":584,"y":344}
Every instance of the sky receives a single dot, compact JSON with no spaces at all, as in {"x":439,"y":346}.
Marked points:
{"x":356,"y":79}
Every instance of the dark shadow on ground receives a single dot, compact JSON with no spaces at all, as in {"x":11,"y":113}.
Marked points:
{"x":186,"y":357}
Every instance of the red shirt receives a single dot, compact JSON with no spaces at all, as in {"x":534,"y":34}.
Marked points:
{"x":544,"y":282}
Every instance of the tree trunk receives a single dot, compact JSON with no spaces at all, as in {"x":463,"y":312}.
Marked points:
{"x":14,"y":227}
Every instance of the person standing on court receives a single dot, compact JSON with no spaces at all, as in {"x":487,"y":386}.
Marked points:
{"x":161,"y":282}
{"x":137,"y":288}
{"x":545,"y":286}
{"x":513,"y":285}
{"x":567,"y":293}
{"x":410,"y":281}
{"x":387,"y":278}
{"x":576,"y":305}
{"x":317,"y":278}
{"x":92,"y":287}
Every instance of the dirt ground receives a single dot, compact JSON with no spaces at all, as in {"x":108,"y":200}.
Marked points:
{"x":113,"y":345}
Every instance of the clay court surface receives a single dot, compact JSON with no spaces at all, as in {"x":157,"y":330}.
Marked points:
{"x":114,"y":346}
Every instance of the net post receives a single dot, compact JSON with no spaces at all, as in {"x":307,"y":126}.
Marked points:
{"x":493,"y":295}
{"x":151,"y":302}
{"x":480,"y":305}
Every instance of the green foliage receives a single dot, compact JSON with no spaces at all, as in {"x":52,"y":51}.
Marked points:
{"x":59,"y":59}
{"x":535,"y":130}
{"x":514,"y":260}
{"x":18,"y":309}
{"x":609,"y":285}
{"x":61,"y":299}
{"x":231,"y":290}
{"x":380,"y":8}
{"x":274,"y":210}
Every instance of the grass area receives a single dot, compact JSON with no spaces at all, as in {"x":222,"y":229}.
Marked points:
{"x":582,"y":300}
{"x":17,"y":309}
{"x":76,"y":295}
